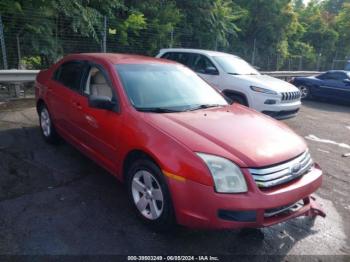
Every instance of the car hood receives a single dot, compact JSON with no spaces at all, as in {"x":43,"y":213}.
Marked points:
{"x":268,"y":82}
{"x":247,"y":137}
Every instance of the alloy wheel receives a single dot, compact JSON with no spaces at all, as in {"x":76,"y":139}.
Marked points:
{"x":147,"y":194}
{"x":304,"y":91}
{"x":45,"y":122}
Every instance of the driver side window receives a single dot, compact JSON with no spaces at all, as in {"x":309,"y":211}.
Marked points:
{"x":201,"y":64}
{"x":97,"y":84}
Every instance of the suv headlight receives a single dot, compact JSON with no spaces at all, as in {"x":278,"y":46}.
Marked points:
{"x":263,"y":90}
{"x":227,"y":176}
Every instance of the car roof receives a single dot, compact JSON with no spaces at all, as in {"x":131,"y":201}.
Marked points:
{"x":116,"y":58}
{"x":197,"y":51}
{"x":338,"y":71}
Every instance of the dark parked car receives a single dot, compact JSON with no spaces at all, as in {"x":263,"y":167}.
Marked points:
{"x":333,"y":84}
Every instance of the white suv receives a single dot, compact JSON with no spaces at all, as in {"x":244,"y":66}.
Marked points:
{"x":239,"y":81}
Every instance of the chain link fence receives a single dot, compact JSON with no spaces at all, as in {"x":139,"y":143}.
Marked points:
{"x":26,"y":48}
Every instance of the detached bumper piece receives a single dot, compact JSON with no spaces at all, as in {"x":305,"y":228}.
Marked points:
{"x":281,"y":114}
{"x":315,"y":209}
{"x":267,"y":217}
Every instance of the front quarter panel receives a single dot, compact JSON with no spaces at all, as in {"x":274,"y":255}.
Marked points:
{"x":171,"y":156}
{"x":41,"y":84}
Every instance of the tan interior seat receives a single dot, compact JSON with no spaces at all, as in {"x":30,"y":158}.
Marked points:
{"x":99,"y":86}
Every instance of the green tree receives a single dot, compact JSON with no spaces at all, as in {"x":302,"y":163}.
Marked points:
{"x":343,"y":28}
{"x":37,"y":27}
{"x":319,"y":33}
{"x":269,"y":24}
{"x":154,"y":28}
{"x":223,"y":15}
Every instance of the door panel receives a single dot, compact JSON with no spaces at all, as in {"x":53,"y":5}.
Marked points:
{"x":58,"y":100}
{"x":98,"y":128}
{"x":345,"y":93}
{"x":333,"y":85}
{"x":65,"y":83}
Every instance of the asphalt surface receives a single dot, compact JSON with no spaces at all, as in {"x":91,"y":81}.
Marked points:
{"x":53,"y":200}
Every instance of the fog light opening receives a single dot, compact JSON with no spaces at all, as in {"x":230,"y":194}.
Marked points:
{"x":270,"y":102}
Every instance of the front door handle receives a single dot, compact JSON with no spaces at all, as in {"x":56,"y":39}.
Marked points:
{"x":91,"y":121}
{"x":77,"y":105}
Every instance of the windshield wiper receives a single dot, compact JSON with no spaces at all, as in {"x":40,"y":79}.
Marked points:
{"x":204,"y":106}
{"x":235,"y":74}
{"x":156,"y":110}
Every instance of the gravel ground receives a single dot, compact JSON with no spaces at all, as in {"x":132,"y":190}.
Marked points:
{"x":55,"y":201}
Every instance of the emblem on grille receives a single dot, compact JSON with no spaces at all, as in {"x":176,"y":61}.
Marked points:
{"x":296,"y":168}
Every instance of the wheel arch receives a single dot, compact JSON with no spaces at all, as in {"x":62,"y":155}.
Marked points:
{"x":39,"y":104}
{"x":228,"y":92}
{"x":132,"y":156}
{"x":312,"y":86}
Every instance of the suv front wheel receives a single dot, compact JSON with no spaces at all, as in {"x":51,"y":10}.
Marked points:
{"x":236,"y":98}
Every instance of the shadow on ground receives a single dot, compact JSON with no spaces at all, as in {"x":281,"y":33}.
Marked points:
{"x":328,"y":105}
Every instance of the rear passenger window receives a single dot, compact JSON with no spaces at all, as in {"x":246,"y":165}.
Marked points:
{"x":70,"y":74}
{"x":183,"y":58}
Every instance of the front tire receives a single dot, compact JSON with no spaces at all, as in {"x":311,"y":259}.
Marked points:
{"x":235,"y":98}
{"x":149,"y":195}
{"x":46,"y":126}
{"x":305,"y":92}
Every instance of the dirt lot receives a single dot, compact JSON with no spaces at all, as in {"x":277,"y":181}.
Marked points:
{"x":53,"y":200}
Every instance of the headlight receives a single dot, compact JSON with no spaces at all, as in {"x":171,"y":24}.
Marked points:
{"x":263,"y":90}
{"x":227,"y":176}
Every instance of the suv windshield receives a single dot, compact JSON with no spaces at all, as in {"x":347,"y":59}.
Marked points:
{"x":166,"y":88}
{"x":235,"y":65}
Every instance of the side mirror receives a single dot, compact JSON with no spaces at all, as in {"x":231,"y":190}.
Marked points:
{"x":210,"y":70}
{"x":102,"y":102}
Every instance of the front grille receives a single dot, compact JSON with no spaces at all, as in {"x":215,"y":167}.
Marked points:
{"x":290,"y":96}
{"x":282,"y":173}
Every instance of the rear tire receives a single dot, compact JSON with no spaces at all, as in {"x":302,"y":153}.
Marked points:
{"x":46,"y":126}
{"x":149,"y":195}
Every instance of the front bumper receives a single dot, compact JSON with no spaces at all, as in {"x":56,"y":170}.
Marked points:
{"x":199,"y":206}
{"x":282,"y":114}
{"x":280,"y":110}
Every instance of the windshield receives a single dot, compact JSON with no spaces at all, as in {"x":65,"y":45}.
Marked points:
{"x":235,"y":65}
{"x":166,"y":88}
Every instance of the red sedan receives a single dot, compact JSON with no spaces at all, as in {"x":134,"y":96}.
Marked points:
{"x":185,"y":154}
